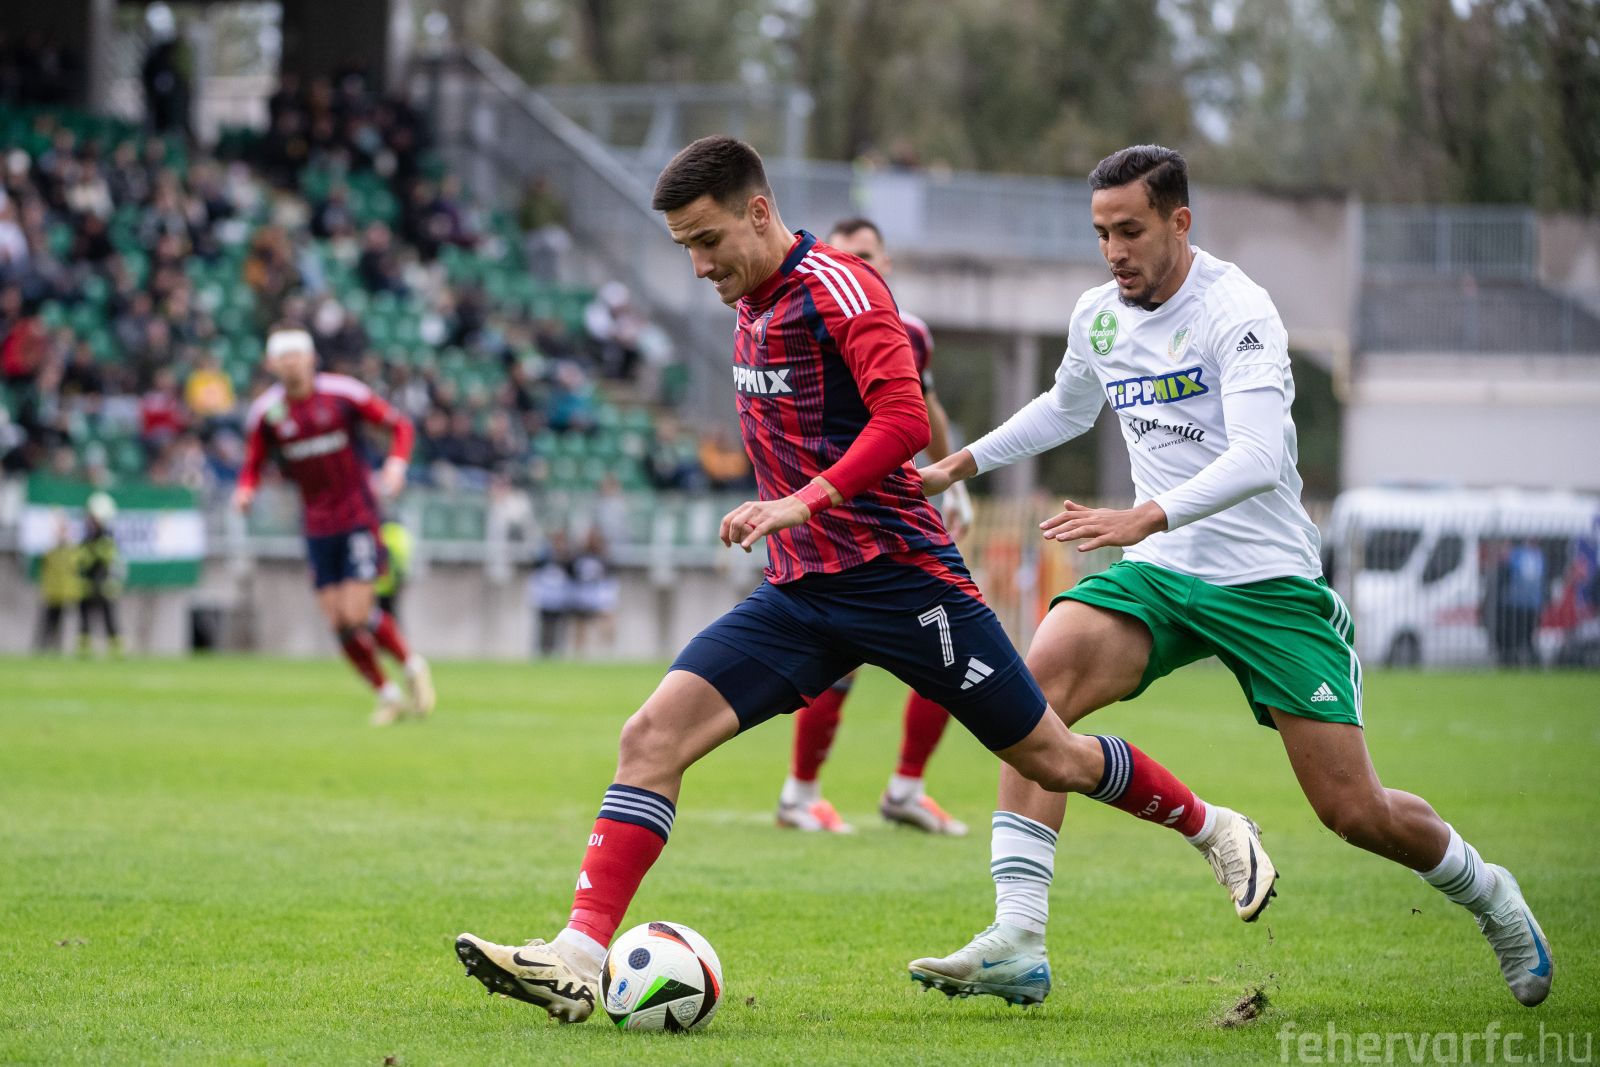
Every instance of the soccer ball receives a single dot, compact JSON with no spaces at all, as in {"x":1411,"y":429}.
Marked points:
{"x":661,"y":976}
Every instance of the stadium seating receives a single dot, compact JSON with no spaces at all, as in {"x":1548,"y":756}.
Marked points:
{"x":586,"y":435}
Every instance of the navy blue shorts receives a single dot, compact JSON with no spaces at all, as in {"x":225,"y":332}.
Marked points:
{"x":353,"y":556}
{"x":786,"y":643}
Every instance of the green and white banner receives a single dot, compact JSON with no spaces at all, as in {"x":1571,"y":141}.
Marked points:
{"x":159,"y":529}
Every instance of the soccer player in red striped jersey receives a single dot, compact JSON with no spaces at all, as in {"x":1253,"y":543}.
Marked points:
{"x":860,"y":569}
{"x":312,"y":423}
{"x":801,"y":805}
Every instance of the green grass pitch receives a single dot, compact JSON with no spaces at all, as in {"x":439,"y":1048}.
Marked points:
{"x":218,"y":862}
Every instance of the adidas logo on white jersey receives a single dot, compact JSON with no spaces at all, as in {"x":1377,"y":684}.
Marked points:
{"x":1248,"y":343}
{"x":1323,"y":695}
{"x":977,"y":671}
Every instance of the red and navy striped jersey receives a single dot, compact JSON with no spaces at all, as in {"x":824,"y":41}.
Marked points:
{"x":921,"y":348}
{"x":315,"y":439}
{"x":810,"y":342}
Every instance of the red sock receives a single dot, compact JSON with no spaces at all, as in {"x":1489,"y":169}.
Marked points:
{"x":814,"y":727}
{"x":628,"y":837}
{"x":1137,"y":784}
{"x":360,"y":651}
{"x":387,"y":631}
{"x":924,"y":725}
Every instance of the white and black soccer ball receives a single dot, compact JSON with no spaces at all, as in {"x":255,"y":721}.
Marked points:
{"x":661,"y":976}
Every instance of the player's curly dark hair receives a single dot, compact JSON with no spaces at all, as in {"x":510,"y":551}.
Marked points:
{"x":724,"y":168}
{"x":1165,"y":175}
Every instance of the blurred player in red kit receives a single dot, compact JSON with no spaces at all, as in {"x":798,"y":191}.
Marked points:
{"x":312,"y":423}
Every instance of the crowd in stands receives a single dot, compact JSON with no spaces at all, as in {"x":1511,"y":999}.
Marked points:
{"x":139,"y":275}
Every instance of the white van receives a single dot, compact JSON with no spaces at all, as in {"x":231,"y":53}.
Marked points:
{"x":1425,"y":572}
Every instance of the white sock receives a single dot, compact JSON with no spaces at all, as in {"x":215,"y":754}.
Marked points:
{"x":1022,"y":863}
{"x":1206,"y":828}
{"x":588,"y":949}
{"x":391,"y":691}
{"x":415,"y":662}
{"x":903,"y":789}
{"x":1461,"y":875}
{"x":797,"y":792}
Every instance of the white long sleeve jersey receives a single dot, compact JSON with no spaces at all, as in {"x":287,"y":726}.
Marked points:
{"x":1202,"y":389}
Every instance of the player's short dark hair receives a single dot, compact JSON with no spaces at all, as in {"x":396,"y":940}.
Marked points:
{"x":723,"y":168}
{"x":853,"y":225}
{"x":1165,"y":175}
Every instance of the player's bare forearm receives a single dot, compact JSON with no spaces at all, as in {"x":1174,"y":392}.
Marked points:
{"x":1100,"y":527}
{"x":938,"y":429}
{"x":956,"y":467}
{"x":392,"y":479}
{"x":748,"y":523}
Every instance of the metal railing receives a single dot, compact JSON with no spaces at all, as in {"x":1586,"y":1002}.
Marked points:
{"x":499,"y":135}
{"x":1468,"y":316}
{"x":1483,"y":242}
{"x":661,"y":118}
{"x":953,"y":213}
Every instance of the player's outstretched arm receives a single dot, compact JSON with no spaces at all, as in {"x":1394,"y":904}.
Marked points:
{"x":958,"y":466}
{"x":1248,"y":466}
{"x":1099,"y":527}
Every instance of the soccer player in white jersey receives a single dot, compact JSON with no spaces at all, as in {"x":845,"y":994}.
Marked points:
{"x":1221,"y":560}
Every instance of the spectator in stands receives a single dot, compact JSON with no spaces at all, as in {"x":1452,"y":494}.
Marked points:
{"x":572,"y":404}
{"x":270,"y":272}
{"x":542,"y":217}
{"x":126,"y":178}
{"x":339,"y":338}
{"x":333,"y":218}
{"x":161,"y":416}
{"x":25,"y":345}
{"x":723,"y":460}
{"x":131,"y":325}
{"x":673,"y":462}
{"x":614,"y":326}
{"x":87,"y":191}
{"x":379,"y":266}
{"x":208,"y":394}
{"x":157,"y":352}
{"x":13,"y":242}
{"x":83,"y":379}
{"x":285,"y":150}
{"x":92,"y":243}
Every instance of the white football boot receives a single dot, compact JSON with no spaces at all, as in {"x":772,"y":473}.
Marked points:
{"x":1241,"y":865}
{"x":551,"y":976}
{"x":921,"y":812}
{"x":391,"y":705}
{"x":818,"y":816}
{"x":419,"y":683}
{"x":1004,"y":961}
{"x":1519,"y":944}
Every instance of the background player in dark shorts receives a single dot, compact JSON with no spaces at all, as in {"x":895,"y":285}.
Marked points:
{"x":801,"y":805}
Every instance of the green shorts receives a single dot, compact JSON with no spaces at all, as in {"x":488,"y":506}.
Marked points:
{"x":1289,"y":641}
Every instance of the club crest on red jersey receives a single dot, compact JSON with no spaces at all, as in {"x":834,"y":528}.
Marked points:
{"x":758,"y":329}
